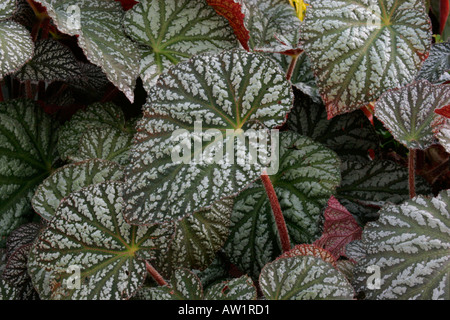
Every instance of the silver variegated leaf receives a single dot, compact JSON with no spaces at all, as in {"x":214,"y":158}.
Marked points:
{"x":307,"y":177}
{"x":106,"y":143}
{"x":16,"y":47}
{"x":27,"y":153}
{"x":183,"y":285}
{"x":409,"y":246}
{"x":304,"y":278}
{"x":172,"y":31}
{"x":224,"y":94}
{"x":360,"y":49}
{"x":217,"y":271}
{"x":408,"y":112}
{"x":95,"y":116}
{"x":368,"y":186}
{"x":52,"y":61}
{"x":443,"y":135}
{"x":89,"y":235}
{"x":236,"y":289}
{"x":7,"y":9}
{"x":72,"y":178}
{"x":198,"y":237}
{"x":103,"y":40}
{"x":436,"y":68}
{"x":349,"y":135}
{"x":7,"y":291}
{"x":16,"y":272}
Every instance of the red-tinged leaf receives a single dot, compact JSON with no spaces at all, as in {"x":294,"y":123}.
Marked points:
{"x":340,"y":228}
{"x":369,"y":111}
{"x":310,"y":250}
{"x":127,"y":4}
{"x":444,"y":11}
{"x":444,"y":111}
{"x":232,"y":11}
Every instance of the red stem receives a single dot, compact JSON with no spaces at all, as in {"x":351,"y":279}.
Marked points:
{"x":291,"y":68}
{"x":412,"y":172}
{"x":155,"y":275}
{"x":45,"y":28}
{"x":28,"y":90}
{"x":277,"y":213}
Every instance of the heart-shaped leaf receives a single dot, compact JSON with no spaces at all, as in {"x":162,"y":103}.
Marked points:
{"x":89,"y":235}
{"x":104,"y":42}
{"x":69,"y":179}
{"x":308,"y":175}
{"x":408,"y":112}
{"x":366,"y":187}
{"x":436,"y":68}
{"x":106,"y":143}
{"x":349,"y":135}
{"x":198,"y":237}
{"x":225,"y":94}
{"x":27,"y":153}
{"x":340,"y":228}
{"x":172,"y":31}
{"x":237,"y":289}
{"x":361,"y":49}
{"x":304,"y":278}
{"x":16,"y":47}
{"x":52,"y":61}
{"x":95,"y":116}
{"x":409,"y":247}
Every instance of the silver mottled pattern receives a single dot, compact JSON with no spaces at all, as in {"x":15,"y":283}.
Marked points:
{"x":27,"y":153}
{"x":408,"y":112}
{"x":436,"y":68}
{"x":100,"y":36}
{"x":72,"y":178}
{"x":443,"y":135}
{"x":7,"y":9}
{"x":23,"y":235}
{"x":309,"y":174}
{"x":304,"y":278}
{"x":236,"y":289}
{"x":173,"y":31}
{"x":231,"y":90}
{"x":359,"y":50}
{"x":410,"y":244}
{"x":184,"y":285}
{"x":88,"y":231}
{"x":52,"y":61}
{"x":16,"y":47}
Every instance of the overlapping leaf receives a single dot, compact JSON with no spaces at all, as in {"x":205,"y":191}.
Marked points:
{"x":52,"y":61}
{"x":95,"y":116}
{"x":408,"y":112}
{"x":236,"y":289}
{"x":442,"y":133}
{"x":198,"y":237}
{"x":184,"y":285}
{"x":171,"y":31}
{"x":16,"y":273}
{"x":24,"y":235}
{"x":7,"y":292}
{"x":340,"y":228}
{"x":304,"y":278}
{"x":410,"y":245}
{"x":72,"y":178}
{"x":27,"y":153}
{"x":366,"y":187}
{"x":106,"y":143}
{"x":16,"y":47}
{"x":436,"y":68}
{"x":310,"y":250}
{"x":308,"y":175}
{"x":96,"y":23}
{"x":349,"y":135}
{"x":7,"y":9}
{"x":360,"y":49}
{"x":233,"y":90}
{"x":88,"y":232}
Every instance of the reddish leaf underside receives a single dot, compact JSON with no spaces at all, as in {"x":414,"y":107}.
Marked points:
{"x":340,"y":228}
{"x":310,"y":250}
{"x":232,"y":11}
{"x":444,"y":111}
